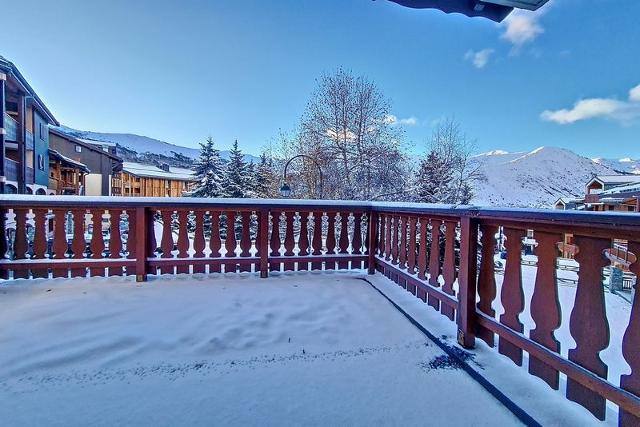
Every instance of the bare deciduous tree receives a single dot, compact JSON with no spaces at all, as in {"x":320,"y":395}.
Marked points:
{"x":346,"y":128}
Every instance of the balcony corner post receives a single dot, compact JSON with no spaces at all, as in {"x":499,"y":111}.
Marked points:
{"x":263,"y":242}
{"x":467,"y":281}
{"x":371,"y":241}
{"x":141,"y":243}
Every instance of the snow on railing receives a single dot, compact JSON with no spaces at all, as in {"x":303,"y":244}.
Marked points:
{"x":443,"y":255}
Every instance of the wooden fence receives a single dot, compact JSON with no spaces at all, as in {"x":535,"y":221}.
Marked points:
{"x":442,"y":255}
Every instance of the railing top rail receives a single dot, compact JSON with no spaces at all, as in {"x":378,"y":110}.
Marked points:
{"x":521,"y":215}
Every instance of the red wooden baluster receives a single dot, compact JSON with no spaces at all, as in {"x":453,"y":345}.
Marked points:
{"x":245,"y":239}
{"x":422,"y":250}
{"x":545,"y":307}
{"x":289,"y":241}
{"x":60,"y":243}
{"x":274,"y":242}
{"x":411,"y":259}
{"x":331,"y":240}
{"x":631,"y":344}
{"x":79,"y":243}
{"x":343,"y":244}
{"x":20,"y":244}
{"x":512,"y":295}
{"x":199,"y":242}
{"x":449,"y":267}
{"x":422,"y":256}
{"x":97,"y":241}
{"x":115,"y":240}
{"x":167,"y":241}
{"x":216,"y":243}
{"x":4,"y":272}
{"x":395,"y":219}
{"x":380,"y":233}
{"x":41,"y":227}
{"x":317,"y":239}
{"x":131,"y":248}
{"x":487,"y":279}
{"x":303,"y":240}
{"x":402,"y":255}
{"x":183,"y":240}
{"x":230,"y":243}
{"x":387,"y":237}
{"x":434,"y":262}
{"x":588,"y":324}
{"x":356,"y":242}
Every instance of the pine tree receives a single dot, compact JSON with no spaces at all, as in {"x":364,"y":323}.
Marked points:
{"x":209,"y":171}
{"x":250,"y":181}
{"x":264,"y":177}
{"x":235,"y":177}
{"x":434,"y":180}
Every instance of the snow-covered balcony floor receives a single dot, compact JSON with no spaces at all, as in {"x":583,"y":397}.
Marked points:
{"x":312,"y":349}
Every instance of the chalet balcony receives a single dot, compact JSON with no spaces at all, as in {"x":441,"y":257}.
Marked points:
{"x":11,"y":128}
{"x":327,"y":305}
{"x":11,"y":169}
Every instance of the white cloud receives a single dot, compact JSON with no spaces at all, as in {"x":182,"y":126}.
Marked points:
{"x":592,"y":108}
{"x":394,"y":120}
{"x":634,"y":94}
{"x":522,"y":27}
{"x":480,"y":58}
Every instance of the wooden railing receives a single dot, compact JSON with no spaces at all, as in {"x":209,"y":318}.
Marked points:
{"x":442,"y":255}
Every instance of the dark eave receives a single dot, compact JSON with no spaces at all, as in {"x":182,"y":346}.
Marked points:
{"x":495,"y":10}
{"x":83,"y":144}
{"x":9,"y":68}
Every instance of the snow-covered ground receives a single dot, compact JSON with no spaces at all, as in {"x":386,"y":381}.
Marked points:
{"x":294,"y":349}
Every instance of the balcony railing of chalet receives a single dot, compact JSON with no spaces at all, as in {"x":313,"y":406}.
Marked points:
{"x":442,"y":255}
{"x":11,"y":169}
{"x":11,"y":128}
{"x":29,"y":140}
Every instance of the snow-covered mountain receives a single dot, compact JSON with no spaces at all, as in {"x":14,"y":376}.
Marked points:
{"x":626,"y":164}
{"x":534,"y":179}
{"x":143,"y":144}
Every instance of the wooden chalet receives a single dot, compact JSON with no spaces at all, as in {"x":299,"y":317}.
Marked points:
{"x":101,"y":161}
{"x":140,"y":180}
{"x":66,"y":176}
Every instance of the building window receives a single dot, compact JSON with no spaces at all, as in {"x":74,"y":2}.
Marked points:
{"x":43,"y":131}
{"x":78,"y":149}
{"x":40,"y":162}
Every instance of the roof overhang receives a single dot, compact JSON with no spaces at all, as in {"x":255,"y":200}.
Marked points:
{"x":495,"y":10}
{"x":9,"y":68}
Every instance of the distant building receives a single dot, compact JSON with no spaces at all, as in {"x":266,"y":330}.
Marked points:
{"x":613,"y":193}
{"x":24,"y":135}
{"x":139,"y":180}
{"x":100,"y":160}
{"x":569,"y":203}
{"x":66,"y":176}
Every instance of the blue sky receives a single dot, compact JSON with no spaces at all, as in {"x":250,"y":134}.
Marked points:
{"x":182,"y":70}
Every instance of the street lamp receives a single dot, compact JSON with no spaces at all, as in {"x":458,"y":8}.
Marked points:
{"x":285,"y":190}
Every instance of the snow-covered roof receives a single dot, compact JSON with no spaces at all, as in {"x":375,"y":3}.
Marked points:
{"x":100,"y":143}
{"x":64,"y":159}
{"x":151,"y":171}
{"x":616,"y":179}
{"x":623,"y":189}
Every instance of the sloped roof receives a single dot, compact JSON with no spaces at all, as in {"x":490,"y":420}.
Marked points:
{"x":8,"y":67}
{"x":495,"y":10}
{"x":151,"y":171}
{"x":617,"y":179}
{"x":68,"y":161}
{"x":83,"y":143}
